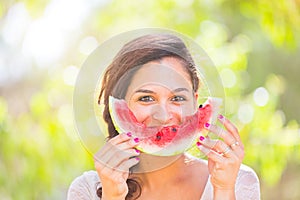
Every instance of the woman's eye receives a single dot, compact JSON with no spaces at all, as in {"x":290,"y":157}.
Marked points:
{"x":178,"y":98}
{"x":146,"y":99}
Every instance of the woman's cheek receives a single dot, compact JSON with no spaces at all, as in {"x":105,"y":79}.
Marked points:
{"x":142,"y":113}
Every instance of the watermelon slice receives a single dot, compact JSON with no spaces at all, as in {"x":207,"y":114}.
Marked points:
{"x":163,"y":141}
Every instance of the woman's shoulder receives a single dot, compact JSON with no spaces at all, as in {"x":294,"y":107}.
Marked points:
{"x":247,"y":175}
{"x":247,"y":186}
{"x":84,"y":187}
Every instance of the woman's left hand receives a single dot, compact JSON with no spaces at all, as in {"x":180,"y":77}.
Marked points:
{"x":224,"y":156}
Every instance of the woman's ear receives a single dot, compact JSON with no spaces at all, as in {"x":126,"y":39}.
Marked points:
{"x":196,"y":96}
{"x":196,"y":100}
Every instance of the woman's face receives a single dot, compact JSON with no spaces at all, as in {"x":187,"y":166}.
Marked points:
{"x":161,"y":93}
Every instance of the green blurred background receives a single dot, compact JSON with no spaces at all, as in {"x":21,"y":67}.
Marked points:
{"x":43,"y":43}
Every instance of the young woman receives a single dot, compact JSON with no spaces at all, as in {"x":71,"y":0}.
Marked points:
{"x":157,"y":77}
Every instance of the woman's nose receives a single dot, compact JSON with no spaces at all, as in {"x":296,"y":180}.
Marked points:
{"x":162,"y":114}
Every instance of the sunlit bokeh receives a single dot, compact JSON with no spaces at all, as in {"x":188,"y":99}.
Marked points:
{"x":87,"y":45}
{"x":261,"y":96}
{"x":43,"y":44}
{"x":70,"y":75}
{"x":228,"y":78}
{"x":245,"y":113}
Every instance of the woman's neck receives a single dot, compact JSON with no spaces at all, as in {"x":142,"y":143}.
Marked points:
{"x":154,"y":171}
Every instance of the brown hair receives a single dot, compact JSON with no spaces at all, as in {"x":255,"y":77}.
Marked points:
{"x":130,"y":58}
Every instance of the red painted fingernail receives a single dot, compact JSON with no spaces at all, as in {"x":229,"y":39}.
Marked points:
{"x":202,"y":138}
{"x":221,"y":117}
{"x":136,"y":140}
{"x":129,"y":134}
{"x":198,"y":144}
{"x":207,"y":125}
{"x":136,"y":150}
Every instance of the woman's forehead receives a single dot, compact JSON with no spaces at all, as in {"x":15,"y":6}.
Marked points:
{"x":168,"y":73}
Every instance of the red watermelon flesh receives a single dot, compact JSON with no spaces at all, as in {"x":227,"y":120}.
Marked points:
{"x":163,"y":141}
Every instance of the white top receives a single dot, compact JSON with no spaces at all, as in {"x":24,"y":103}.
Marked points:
{"x":246,"y":188}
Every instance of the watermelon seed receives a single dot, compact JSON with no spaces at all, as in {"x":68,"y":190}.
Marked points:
{"x":200,"y":106}
{"x":174,"y":129}
{"x":158,"y":137}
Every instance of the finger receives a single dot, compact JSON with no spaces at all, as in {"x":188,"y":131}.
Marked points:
{"x":105,"y":153}
{"x":220,"y":147}
{"x":126,"y":165}
{"x":123,"y":146}
{"x":110,"y":144}
{"x":121,"y":156}
{"x":216,"y":145}
{"x":129,"y":144}
{"x":231,"y":128}
{"x":114,"y":152}
{"x":220,"y":132}
{"x":210,"y":153}
{"x":120,"y":138}
{"x":112,"y":173}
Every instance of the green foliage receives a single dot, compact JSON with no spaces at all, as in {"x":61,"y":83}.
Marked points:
{"x":254,"y":45}
{"x":37,"y":153}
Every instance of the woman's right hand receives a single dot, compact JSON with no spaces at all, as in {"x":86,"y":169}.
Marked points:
{"x":112,"y":163}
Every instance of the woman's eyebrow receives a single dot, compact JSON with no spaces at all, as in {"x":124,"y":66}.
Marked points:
{"x":144,"y":91}
{"x":151,"y":92}
{"x":180,"y":89}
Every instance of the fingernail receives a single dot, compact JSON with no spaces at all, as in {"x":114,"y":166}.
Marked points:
{"x":207,"y":125}
{"x":136,"y":150}
{"x":221,"y":117}
{"x":136,"y":140}
{"x":129,"y":134}
{"x":137,"y":158}
{"x":198,"y":144}
{"x":202,"y":138}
